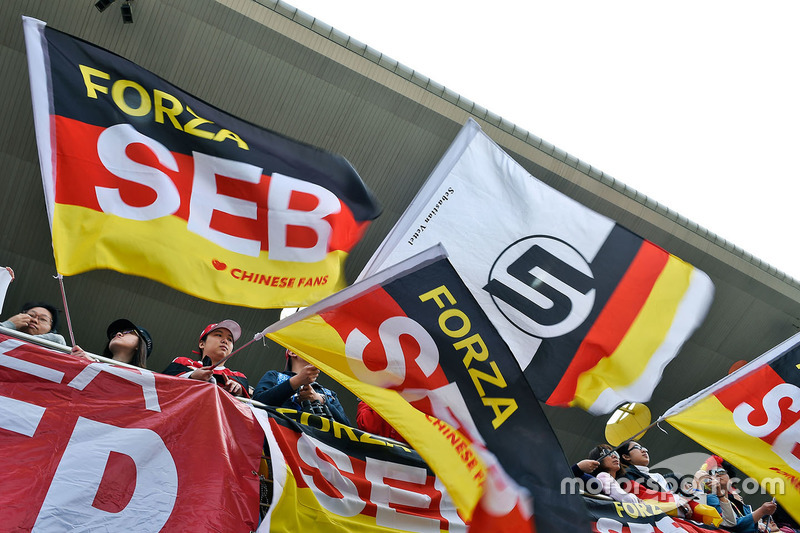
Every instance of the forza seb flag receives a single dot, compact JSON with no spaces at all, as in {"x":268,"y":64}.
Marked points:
{"x":333,"y":478}
{"x":752,"y":419}
{"x":592,"y":312}
{"x":143,"y":178}
{"x":412,"y":340}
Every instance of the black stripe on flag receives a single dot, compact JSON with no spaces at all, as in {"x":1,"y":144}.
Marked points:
{"x":555,"y":354}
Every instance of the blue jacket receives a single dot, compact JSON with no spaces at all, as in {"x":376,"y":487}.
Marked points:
{"x":274,"y":389}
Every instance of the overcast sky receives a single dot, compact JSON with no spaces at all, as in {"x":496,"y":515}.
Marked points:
{"x":694,"y":104}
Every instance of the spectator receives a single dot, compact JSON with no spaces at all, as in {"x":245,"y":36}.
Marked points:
{"x":37,"y":318}
{"x":127,"y":343}
{"x":715,"y":477}
{"x":215,"y":344}
{"x":648,"y":485}
{"x":368,"y":420}
{"x":296,"y":388}
{"x":607,"y":472}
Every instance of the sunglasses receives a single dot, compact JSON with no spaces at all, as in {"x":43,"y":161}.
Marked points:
{"x":126,"y":332}
{"x":608,"y":453}
{"x":718,"y":472}
{"x":637,"y":447}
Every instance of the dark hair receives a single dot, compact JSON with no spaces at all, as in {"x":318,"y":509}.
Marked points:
{"x":143,"y":349}
{"x":625,"y":448}
{"x":600,"y":452}
{"x":53,"y":312}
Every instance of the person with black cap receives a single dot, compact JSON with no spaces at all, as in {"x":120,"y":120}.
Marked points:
{"x":127,"y":343}
{"x":215,"y":344}
{"x":297,"y":388}
{"x":37,"y":318}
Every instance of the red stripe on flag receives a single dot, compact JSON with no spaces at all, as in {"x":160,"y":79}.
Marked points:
{"x":80,"y":171}
{"x":614,"y":320}
{"x":751,"y":390}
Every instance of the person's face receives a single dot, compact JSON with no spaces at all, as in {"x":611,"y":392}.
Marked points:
{"x":637,"y":454}
{"x":217,"y":344}
{"x":41,"y":321}
{"x":123,"y":345}
{"x":722,"y":476}
{"x":610,"y":462}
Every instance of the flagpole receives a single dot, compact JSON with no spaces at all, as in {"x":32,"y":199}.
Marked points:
{"x":60,"y":279}
{"x":257,"y":336}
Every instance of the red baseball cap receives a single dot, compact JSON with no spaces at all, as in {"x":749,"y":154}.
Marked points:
{"x":228,"y":324}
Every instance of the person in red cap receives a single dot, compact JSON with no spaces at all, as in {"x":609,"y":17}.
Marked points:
{"x":215,"y":344}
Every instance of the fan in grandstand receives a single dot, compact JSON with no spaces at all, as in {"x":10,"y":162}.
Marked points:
{"x":37,"y":318}
{"x":215,"y":344}
{"x":714,"y":477}
{"x":648,"y":485}
{"x":127,"y":343}
{"x":607,"y":472}
{"x":296,"y":388}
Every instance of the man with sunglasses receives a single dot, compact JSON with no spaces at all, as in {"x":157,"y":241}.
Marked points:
{"x":37,"y":318}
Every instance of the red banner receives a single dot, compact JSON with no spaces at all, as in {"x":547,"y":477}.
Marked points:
{"x":93,"y":445}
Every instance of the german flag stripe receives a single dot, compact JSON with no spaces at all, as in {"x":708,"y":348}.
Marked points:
{"x":666,"y":319}
{"x":615,"y":321}
{"x":610,"y":265}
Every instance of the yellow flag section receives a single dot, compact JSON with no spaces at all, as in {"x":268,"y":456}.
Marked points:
{"x":665,"y":318}
{"x":162,"y":250}
{"x":143,"y":178}
{"x":452,"y":456}
{"x":329,"y":477}
{"x":752,"y":419}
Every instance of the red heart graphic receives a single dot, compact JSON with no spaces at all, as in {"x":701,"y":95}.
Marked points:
{"x":219,"y":265}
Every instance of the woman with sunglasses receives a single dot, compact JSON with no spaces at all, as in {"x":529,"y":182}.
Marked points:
{"x":609,"y":471}
{"x":127,"y":343}
{"x":649,"y":485}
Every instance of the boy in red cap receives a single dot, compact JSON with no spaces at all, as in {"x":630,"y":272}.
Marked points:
{"x":215,"y":344}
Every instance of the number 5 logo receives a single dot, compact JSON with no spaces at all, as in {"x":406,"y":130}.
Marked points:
{"x":543,"y":286}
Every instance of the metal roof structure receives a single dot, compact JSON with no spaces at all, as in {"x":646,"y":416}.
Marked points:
{"x":280,"y":68}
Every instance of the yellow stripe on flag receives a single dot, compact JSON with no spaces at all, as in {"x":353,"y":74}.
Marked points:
{"x":647,"y":333}
{"x":84,"y":239}
{"x":445,"y":450}
{"x":299,"y":510}
{"x":710,"y":424}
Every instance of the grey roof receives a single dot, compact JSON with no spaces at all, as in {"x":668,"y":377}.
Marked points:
{"x":284,"y":70}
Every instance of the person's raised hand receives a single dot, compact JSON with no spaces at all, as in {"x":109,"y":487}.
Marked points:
{"x":20,"y":320}
{"x":307,"y":375}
